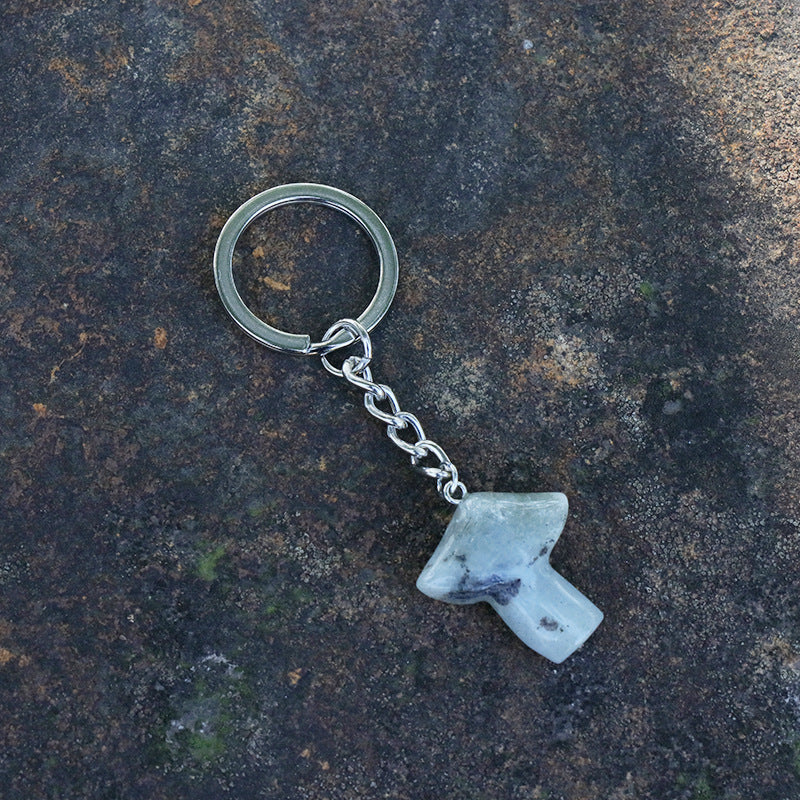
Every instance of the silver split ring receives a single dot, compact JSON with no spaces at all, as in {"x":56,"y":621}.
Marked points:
{"x":362,"y":214}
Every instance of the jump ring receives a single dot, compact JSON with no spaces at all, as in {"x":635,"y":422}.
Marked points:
{"x":449,"y":492}
{"x":359,"y":334}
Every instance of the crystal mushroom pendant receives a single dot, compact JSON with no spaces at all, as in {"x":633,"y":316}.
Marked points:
{"x":496,"y":549}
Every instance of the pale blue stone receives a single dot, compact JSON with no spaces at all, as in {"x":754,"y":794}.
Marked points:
{"x":497,"y":549}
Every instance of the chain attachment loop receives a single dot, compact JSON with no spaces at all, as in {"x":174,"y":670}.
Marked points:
{"x":355,"y":370}
{"x":358,"y":333}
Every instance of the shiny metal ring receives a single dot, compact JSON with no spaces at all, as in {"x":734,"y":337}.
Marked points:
{"x":359,"y":333}
{"x":289,"y":193}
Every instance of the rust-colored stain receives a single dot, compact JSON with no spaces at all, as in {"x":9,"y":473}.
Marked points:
{"x":294,"y":676}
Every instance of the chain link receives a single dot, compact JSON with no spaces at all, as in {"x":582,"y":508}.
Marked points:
{"x":356,"y":371}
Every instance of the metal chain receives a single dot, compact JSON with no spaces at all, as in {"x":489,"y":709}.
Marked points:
{"x":355,"y":370}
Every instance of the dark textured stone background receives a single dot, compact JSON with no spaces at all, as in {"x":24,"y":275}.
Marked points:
{"x":209,"y":550}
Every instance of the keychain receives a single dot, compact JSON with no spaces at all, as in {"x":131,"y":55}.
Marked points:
{"x":497,"y":546}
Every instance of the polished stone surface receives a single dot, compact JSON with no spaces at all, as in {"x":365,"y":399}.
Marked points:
{"x":208,"y":551}
{"x":496,"y":549}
